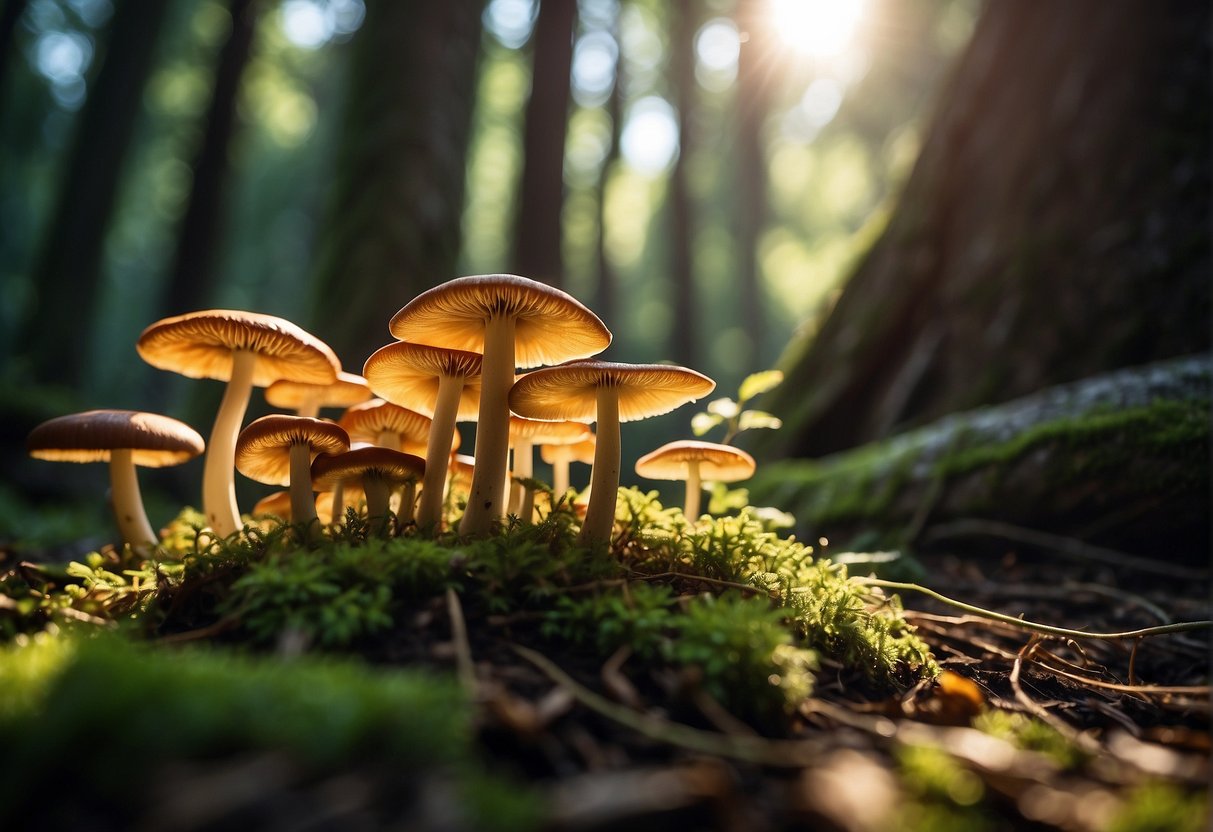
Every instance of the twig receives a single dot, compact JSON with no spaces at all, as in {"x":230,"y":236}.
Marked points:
{"x":221,"y":626}
{"x":1177,"y":627}
{"x":1155,"y":690}
{"x":1083,"y":741}
{"x":1067,"y":547}
{"x":464,"y":667}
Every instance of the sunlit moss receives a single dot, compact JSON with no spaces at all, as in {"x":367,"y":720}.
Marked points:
{"x":1159,"y":807}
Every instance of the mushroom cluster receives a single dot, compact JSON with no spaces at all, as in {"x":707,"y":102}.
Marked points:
{"x":459,"y":349}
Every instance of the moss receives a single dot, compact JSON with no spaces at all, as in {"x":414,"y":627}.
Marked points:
{"x":1159,"y":807}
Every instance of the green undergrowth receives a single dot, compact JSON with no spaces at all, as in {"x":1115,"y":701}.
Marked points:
{"x":746,"y":610}
{"x":69,"y":702}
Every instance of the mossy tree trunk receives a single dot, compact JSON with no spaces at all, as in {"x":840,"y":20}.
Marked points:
{"x":1055,"y":226}
{"x":393,"y":227}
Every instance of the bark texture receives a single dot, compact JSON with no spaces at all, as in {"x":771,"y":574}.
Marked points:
{"x":1055,"y":226}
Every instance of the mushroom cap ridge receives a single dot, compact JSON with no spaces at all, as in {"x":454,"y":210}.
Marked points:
{"x":407,"y":374}
{"x":550,"y":325}
{"x":349,"y":389}
{"x":155,"y":441}
{"x":395,"y":466}
{"x":569,"y":391}
{"x":263,"y":449}
{"x":723,"y":463}
{"x":200,"y":345}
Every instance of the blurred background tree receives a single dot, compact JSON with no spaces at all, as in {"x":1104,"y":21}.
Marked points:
{"x":706,"y":175}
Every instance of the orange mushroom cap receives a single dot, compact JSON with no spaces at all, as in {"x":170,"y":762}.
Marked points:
{"x":722,"y":463}
{"x":263,"y":449}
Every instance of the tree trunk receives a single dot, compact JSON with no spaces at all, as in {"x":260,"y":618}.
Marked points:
{"x":393,"y":227}
{"x":67,"y":274}
{"x":10,"y":15}
{"x":537,"y":230}
{"x":605,"y":289}
{"x":684,"y":336}
{"x":1120,"y":459}
{"x":198,"y":242}
{"x":1055,"y":226}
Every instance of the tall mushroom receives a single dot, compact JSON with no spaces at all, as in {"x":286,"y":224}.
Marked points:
{"x":307,"y":399}
{"x":244,"y":349}
{"x":441,"y":383}
{"x":513,"y":322}
{"x":693,"y":462}
{"x":124,"y":438}
{"x":608,"y":393}
{"x":279,"y":450}
{"x":559,"y":457}
{"x":380,"y":469}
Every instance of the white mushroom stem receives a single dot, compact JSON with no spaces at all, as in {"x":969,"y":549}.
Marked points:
{"x":218,"y":478}
{"x":524,"y":469}
{"x":378,"y":494}
{"x":337,"y":512}
{"x":604,"y":479}
{"x":694,"y":491}
{"x":310,"y":406}
{"x":128,"y":503}
{"x":303,"y":501}
{"x":408,"y":498}
{"x":388,"y":439}
{"x":560,"y":476}
{"x":487,"y":498}
{"x":438,"y":451}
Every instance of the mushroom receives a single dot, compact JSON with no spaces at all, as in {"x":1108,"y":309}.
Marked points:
{"x":244,"y":349}
{"x":307,"y":399}
{"x":524,"y":435}
{"x":693,"y":461}
{"x":609,"y":393}
{"x":513,"y":322}
{"x":277,"y":505}
{"x":441,"y":383}
{"x":279,"y":450}
{"x":380,"y":469}
{"x":334,"y":495}
{"x":559,"y":457}
{"x":124,"y":438}
{"x":387,"y":425}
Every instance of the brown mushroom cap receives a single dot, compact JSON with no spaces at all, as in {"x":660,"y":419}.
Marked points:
{"x":582,"y":451}
{"x":349,"y":389}
{"x":155,"y":441}
{"x":550,"y":325}
{"x":392,"y":466}
{"x":569,"y":391}
{"x":263,"y":449}
{"x":722,"y":463}
{"x":200,"y":345}
{"x":364,"y":422}
{"x":407,"y":374}
{"x":537,"y":431}
{"x":277,"y":504}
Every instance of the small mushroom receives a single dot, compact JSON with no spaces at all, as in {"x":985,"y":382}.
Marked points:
{"x":279,"y":450}
{"x":277,"y":505}
{"x":387,"y":425}
{"x":513,"y":322}
{"x":438,"y":382}
{"x":524,"y":435}
{"x":124,"y":438}
{"x":559,"y":457}
{"x":307,"y":399}
{"x":244,"y":349}
{"x":380,"y":470}
{"x":608,"y":393}
{"x":692,"y":461}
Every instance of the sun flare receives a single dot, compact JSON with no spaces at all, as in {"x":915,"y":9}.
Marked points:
{"x":820,"y":28}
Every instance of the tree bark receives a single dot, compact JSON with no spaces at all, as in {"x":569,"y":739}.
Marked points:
{"x":67,"y":274}
{"x":1055,"y":226}
{"x":684,"y":336}
{"x":393,"y":227}
{"x":1119,"y":460}
{"x":605,"y":289}
{"x":537,"y":230}
{"x":198,"y":242}
{"x":10,"y":15}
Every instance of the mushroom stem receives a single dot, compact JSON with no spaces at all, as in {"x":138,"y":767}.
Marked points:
{"x":604,"y":480}
{"x":309,"y":407}
{"x":524,"y":469}
{"x":560,"y":477}
{"x":218,"y":480}
{"x":493,"y":429}
{"x":408,"y":498}
{"x":438,"y":451}
{"x":378,"y":494}
{"x":303,"y":501}
{"x":132,"y":521}
{"x":526,"y":511}
{"x":694,"y":491}
{"x":388,"y":439}
{"x":337,"y":512}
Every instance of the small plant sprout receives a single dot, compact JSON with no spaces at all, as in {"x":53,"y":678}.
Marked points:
{"x":732,"y":413}
{"x":441,"y":383}
{"x":379,"y":469}
{"x":307,"y":399}
{"x":124,"y":438}
{"x":245,"y":349}
{"x":279,"y":450}
{"x":513,"y":322}
{"x":693,"y":462}
{"x":608,"y":393}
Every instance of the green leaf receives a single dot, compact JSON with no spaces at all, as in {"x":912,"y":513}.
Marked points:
{"x":701,"y":423}
{"x":725,"y":408}
{"x":751,"y":419}
{"x":759,"y":383}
